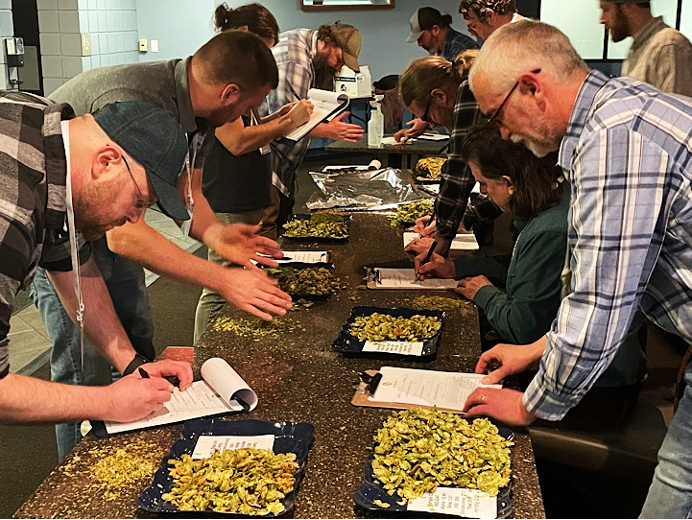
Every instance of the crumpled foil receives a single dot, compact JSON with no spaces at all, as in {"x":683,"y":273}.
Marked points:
{"x":362,"y":190}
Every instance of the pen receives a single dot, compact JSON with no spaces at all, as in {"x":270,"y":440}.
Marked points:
{"x":432,"y":217}
{"x":292,"y":91}
{"x":427,"y":257}
{"x":171,"y":379}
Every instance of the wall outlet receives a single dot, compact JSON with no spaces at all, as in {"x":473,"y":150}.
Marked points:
{"x":154,"y":46}
{"x":142,"y":45}
{"x":86,"y":44}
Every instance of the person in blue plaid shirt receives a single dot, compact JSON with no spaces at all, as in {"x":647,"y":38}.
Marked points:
{"x":624,"y":147}
{"x":306,"y":59}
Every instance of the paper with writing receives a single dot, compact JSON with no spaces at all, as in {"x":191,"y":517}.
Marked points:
{"x":208,"y":444}
{"x":406,"y":348}
{"x":467,"y":503}
{"x":406,"y":279}
{"x":422,"y":387}
{"x":211,"y":396}
{"x":326,"y":105}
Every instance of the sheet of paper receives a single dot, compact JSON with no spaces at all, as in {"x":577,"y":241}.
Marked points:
{"x":325,"y":104}
{"x":467,"y":503}
{"x":389,"y":140}
{"x":431,"y":136}
{"x":373,"y":165}
{"x":461,"y":242}
{"x":307,"y":257}
{"x":406,"y":279}
{"x":208,"y":444}
{"x":406,"y":348}
{"x":197,"y":401}
{"x":426,"y":387}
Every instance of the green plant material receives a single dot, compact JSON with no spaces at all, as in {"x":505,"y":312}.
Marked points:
{"x":311,"y":281}
{"x":407,"y":214}
{"x":382,"y":327}
{"x":248,"y":481}
{"x":253,"y":326}
{"x":439,"y":303}
{"x":379,"y":503}
{"x":418,"y":450}
{"x":430,"y":167}
{"x":319,"y":225}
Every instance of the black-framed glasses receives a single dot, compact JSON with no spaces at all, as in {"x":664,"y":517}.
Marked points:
{"x":426,"y":115}
{"x":497,"y":111}
{"x":141,"y":204}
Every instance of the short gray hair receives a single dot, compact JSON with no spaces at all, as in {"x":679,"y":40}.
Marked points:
{"x":526,"y":45}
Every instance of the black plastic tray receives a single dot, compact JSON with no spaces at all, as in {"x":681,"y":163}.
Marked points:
{"x":346,"y":218}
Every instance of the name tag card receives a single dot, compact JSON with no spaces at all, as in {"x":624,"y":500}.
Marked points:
{"x":208,"y":444}
{"x":406,"y":348}
{"x":469,"y":503}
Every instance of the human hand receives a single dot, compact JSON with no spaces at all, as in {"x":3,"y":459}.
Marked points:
{"x":132,"y":398}
{"x":418,"y":127}
{"x":511,"y":358}
{"x":300,"y":113}
{"x":284,"y":109}
{"x":468,"y":287}
{"x":240,"y":244}
{"x":437,"y":267}
{"x":168,"y":367}
{"x":426,"y":226}
{"x":341,"y":131}
{"x":252,"y":291}
{"x":501,"y":404}
{"x":418,"y":245}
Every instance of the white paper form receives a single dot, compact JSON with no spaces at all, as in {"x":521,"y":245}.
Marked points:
{"x":208,"y":444}
{"x":326,"y":105}
{"x":307,"y":257}
{"x":467,"y":503}
{"x":461,"y":242}
{"x":426,"y":387}
{"x":405,"y":348}
{"x":406,"y":279}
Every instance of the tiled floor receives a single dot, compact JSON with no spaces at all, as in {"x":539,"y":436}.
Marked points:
{"x":29,"y":345}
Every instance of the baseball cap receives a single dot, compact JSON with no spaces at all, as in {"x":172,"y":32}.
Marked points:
{"x":422,"y":20}
{"x":347,"y":38}
{"x":155,"y":140}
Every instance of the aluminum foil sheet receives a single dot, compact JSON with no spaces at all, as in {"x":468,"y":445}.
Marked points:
{"x":362,"y":190}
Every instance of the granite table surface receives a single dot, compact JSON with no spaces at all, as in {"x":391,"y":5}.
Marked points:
{"x":299,"y":378}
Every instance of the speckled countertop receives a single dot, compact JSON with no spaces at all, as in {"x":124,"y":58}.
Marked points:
{"x":299,"y":378}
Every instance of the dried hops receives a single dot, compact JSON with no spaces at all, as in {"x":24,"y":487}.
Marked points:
{"x":407,"y":214}
{"x":319,"y":225}
{"x":382,"y":327}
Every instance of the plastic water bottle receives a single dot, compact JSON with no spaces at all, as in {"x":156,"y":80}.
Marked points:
{"x":376,"y":124}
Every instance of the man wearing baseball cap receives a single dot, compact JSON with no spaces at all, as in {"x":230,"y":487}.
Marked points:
{"x":433,"y":31}
{"x":659,"y":54}
{"x":307,"y":59}
{"x":62,"y":175}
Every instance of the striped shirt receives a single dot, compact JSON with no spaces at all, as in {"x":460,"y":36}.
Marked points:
{"x":457,"y":177}
{"x":293,"y":54}
{"x":628,"y":156}
{"x":33,"y":171}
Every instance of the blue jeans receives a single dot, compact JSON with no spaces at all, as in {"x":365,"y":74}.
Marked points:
{"x":670,"y":494}
{"x":125,"y":282}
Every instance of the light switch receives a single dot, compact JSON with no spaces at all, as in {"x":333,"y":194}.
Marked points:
{"x":142,"y":45}
{"x":86,"y":44}
{"x":154,"y":46}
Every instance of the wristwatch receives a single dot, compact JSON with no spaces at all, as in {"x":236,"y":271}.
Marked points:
{"x":136,"y":362}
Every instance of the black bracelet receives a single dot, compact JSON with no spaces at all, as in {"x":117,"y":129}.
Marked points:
{"x":136,"y":362}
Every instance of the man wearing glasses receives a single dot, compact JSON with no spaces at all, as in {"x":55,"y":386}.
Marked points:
{"x":62,"y":175}
{"x":624,"y":147}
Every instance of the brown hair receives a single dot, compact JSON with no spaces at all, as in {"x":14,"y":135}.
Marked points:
{"x":479,"y":7}
{"x":535,"y":180}
{"x":237,"y":57}
{"x":257,"y":18}
{"x":423,"y":75}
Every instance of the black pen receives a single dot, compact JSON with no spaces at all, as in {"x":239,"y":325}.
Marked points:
{"x":292,"y":91}
{"x":427,"y":257}
{"x":171,"y":379}
{"x":432,"y":217}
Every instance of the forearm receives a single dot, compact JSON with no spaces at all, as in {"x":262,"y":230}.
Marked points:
{"x":101,"y":324}
{"x":30,"y":400}
{"x":243,"y":140}
{"x":323,"y":130}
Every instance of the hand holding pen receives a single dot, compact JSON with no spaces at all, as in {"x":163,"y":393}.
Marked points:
{"x":427,"y":258}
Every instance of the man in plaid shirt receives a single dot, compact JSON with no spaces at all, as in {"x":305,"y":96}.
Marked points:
{"x":108,"y":167}
{"x":625,"y":149}
{"x":306,"y":59}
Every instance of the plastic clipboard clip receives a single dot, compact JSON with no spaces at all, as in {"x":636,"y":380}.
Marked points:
{"x":368,"y":383}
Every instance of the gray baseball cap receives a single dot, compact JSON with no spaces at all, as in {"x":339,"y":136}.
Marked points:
{"x":155,"y":140}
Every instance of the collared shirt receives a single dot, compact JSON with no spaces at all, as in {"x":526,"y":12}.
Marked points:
{"x":626,"y":151}
{"x":293,"y":54}
{"x":456,"y":42}
{"x":661,"y":56}
{"x":457,"y":178}
{"x":33,"y":229}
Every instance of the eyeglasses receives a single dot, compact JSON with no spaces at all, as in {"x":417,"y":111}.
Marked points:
{"x":497,"y":111}
{"x":426,"y":115}
{"x":141,"y":204}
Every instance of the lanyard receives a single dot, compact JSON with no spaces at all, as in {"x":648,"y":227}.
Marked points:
{"x":195,"y":144}
{"x":72,"y":231}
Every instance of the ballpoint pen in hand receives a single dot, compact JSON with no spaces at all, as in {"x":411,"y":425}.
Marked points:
{"x":430,"y":220}
{"x":171,"y":379}
{"x":427,"y":257}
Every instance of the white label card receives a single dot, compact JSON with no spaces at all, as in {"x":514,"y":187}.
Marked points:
{"x":469,"y":503}
{"x":208,"y":444}
{"x":407,"y":348}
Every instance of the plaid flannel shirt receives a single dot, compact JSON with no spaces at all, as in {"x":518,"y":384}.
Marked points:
{"x":456,"y":42}
{"x":627,"y":154}
{"x":456,"y":175}
{"x":33,"y":171}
